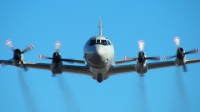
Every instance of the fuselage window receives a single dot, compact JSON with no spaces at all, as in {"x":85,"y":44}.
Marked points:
{"x":92,"y":42}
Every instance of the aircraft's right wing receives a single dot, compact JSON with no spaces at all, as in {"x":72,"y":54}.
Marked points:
{"x":47,"y":66}
{"x":66,"y":68}
{"x":125,"y":60}
{"x":119,"y":69}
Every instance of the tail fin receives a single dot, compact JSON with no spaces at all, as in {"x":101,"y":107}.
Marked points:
{"x":100,"y":27}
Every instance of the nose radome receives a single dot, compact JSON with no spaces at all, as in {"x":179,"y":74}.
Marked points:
{"x":100,"y":50}
{"x":98,"y":56}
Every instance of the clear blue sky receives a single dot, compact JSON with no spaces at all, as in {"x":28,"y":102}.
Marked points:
{"x":124,"y":23}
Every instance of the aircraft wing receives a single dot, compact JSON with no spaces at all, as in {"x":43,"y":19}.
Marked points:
{"x":131,"y":67}
{"x":46,"y":66}
{"x":66,"y":68}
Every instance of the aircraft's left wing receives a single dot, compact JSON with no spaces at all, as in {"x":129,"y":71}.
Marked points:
{"x":169,"y":63}
{"x":131,"y":67}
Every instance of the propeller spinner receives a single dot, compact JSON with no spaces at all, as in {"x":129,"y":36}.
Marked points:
{"x":17,"y":57}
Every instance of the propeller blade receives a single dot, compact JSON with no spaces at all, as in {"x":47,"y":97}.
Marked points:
{"x":141,"y":45}
{"x":177,"y":41}
{"x":153,"y":58}
{"x":168,"y":57}
{"x":9,"y":43}
{"x":192,"y":51}
{"x":44,"y":57}
{"x":184,"y":68}
{"x":30,"y":47}
{"x":73,"y":61}
{"x":125,"y":60}
{"x":129,"y":59}
{"x":58,"y":44}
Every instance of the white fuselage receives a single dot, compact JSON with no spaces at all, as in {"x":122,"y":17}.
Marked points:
{"x":100,"y":57}
{"x":99,"y":54}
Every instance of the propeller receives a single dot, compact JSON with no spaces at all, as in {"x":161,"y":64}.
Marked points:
{"x":57,"y":58}
{"x":10,"y":45}
{"x":141,"y":54}
{"x":17,"y":52}
{"x":180,"y":54}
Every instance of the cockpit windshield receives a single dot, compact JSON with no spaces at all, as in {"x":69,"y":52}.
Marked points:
{"x":98,"y":41}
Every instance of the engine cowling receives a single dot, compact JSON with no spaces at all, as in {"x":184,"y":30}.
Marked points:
{"x":180,"y":53}
{"x":56,"y":57}
{"x":141,"y":57}
{"x":57,"y":66}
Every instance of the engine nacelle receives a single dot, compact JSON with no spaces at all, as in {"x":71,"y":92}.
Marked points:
{"x":56,"y":66}
{"x":17,"y":58}
{"x":180,"y":53}
{"x":56,"y":58}
{"x":17,"y":54}
{"x":141,"y":57}
{"x":141,"y":67}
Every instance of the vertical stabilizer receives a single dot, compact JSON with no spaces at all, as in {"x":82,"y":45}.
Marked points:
{"x":100,"y":27}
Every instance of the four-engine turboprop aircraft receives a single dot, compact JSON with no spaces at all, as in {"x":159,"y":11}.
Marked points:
{"x":100,"y":62}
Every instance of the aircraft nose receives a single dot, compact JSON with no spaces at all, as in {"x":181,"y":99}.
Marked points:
{"x":98,"y":56}
{"x":100,"y":51}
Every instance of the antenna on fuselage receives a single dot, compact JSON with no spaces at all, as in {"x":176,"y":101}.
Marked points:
{"x":100,"y":27}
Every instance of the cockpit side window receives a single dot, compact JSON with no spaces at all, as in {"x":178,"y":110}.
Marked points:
{"x":92,"y":42}
{"x":109,"y":42}
{"x":104,"y":42}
